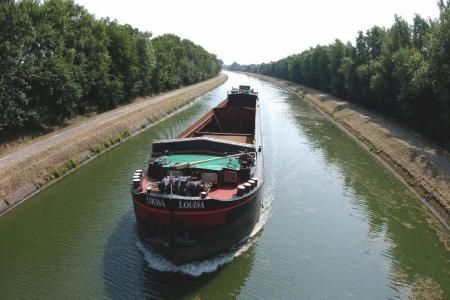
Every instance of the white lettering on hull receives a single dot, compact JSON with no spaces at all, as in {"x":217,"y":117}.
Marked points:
{"x":155,"y":202}
{"x":191,"y":204}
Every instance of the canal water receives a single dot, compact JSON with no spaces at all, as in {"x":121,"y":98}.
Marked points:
{"x":335,"y":224}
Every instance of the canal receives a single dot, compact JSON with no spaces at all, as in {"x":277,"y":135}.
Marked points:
{"x":336,"y":224}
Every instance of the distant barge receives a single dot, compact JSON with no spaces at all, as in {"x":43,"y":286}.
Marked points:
{"x":200,"y":193}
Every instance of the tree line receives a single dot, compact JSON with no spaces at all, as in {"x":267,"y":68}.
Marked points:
{"x":58,"y":61}
{"x":402,"y":71}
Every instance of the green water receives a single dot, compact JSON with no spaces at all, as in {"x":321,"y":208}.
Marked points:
{"x":335,"y":224}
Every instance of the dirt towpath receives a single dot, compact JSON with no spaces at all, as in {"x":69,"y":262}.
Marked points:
{"x":34,"y":166}
{"x":90,"y":124}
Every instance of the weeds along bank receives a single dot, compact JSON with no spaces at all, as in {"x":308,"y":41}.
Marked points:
{"x":425,"y":168}
{"x":23,"y":178}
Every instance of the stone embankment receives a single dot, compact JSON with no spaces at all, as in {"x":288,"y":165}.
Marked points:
{"x":424,"y":167}
{"x":31,"y":168}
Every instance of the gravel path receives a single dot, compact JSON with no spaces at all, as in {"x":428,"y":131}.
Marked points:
{"x":33,"y":164}
{"x":90,"y":124}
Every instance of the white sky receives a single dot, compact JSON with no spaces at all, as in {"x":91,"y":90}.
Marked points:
{"x":256,"y":31}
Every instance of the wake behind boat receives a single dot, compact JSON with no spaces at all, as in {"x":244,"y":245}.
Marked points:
{"x":200,"y":193}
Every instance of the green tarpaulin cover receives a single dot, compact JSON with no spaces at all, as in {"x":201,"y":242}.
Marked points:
{"x":215,"y":165}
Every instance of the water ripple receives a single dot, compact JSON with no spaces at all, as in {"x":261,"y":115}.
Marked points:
{"x":197,"y":268}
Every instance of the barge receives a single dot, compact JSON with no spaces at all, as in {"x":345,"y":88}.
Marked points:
{"x":200,"y":193}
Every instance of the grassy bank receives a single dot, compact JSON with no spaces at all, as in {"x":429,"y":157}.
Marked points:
{"x":422,"y":166}
{"x":25,"y":177}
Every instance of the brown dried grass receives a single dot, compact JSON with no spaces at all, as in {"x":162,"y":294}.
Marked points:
{"x":423,"y":166}
{"x":23,"y":178}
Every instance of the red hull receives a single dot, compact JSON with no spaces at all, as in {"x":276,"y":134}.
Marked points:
{"x":182,"y":237}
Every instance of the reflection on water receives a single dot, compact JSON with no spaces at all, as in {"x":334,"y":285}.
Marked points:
{"x":127,"y":275}
{"x":395,"y":219}
{"x":340,"y":225}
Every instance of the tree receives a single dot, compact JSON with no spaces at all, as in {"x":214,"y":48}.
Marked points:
{"x":402,"y":71}
{"x":57,"y":60}
{"x":440,"y":67}
{"x":420,"y":33}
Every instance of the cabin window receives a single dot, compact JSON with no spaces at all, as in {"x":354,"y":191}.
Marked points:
{"x":230,"y":176}
{"x":209,"y":177}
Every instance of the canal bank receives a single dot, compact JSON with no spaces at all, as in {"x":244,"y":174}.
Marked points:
{"x":32,"y":168}
{"x":339,"y":225}
{"x":423,"y":167}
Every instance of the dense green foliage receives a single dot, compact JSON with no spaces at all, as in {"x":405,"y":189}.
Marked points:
{"x":402,"y":71}
{"x":57,"y":61}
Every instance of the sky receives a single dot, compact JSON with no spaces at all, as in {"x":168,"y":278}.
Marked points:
{"x":257,"y":31}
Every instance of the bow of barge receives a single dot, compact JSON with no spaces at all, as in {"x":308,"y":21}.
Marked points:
{"x":200,"y":193}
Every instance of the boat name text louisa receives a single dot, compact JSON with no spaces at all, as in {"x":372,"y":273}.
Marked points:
{"x":155,"y":202}
{"x":191,"y":204}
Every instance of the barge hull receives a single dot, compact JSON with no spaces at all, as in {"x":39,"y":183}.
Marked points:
{"x":176,"y":236}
